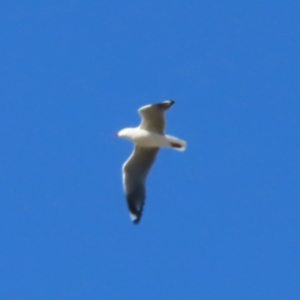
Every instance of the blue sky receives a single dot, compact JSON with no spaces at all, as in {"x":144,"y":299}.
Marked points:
{"x":221,"y":220}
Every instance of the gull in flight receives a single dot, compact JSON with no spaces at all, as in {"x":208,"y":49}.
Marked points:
{"x":148,"y":138}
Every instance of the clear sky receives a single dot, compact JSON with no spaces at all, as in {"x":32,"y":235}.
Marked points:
{"x":221,"y":219}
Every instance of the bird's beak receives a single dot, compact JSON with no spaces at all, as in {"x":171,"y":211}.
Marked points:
{"x":116,"y":135}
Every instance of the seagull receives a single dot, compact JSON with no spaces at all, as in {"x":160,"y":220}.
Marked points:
{"x":148,"y":138}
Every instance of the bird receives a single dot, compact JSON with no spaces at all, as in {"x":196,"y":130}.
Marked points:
{"x":148,"y":138}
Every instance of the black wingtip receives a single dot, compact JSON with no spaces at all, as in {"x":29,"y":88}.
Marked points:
{"x":165,"y":104}
{"x":135,"y":213}
{"x":135,"y":218}
{"x":169,"y":102}
{"x":136,"y":222}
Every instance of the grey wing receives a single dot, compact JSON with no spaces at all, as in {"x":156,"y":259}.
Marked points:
{"x":153,"y":118}
{"x":135,"y":171}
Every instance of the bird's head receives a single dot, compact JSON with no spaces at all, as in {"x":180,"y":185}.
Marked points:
{"x":125,"y":133}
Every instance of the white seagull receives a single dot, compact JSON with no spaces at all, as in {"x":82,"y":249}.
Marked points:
{"x":148,"y":138}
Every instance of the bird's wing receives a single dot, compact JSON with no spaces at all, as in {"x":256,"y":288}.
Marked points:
{"x":153,"y":118}
{"x":135,"y":171}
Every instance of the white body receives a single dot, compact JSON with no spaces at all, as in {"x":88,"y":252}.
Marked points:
{"x":149,"y":139}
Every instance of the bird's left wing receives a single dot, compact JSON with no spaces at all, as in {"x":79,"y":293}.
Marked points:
{"x":135,"y":171}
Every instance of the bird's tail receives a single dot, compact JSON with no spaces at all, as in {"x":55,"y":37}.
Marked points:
{"x":176,"y":143}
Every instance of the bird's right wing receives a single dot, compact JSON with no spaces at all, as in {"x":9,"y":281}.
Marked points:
{"x":153,"y":118}
{"x":135,"y":171}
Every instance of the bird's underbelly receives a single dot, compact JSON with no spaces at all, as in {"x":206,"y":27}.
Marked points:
{"x":150,"y":139}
